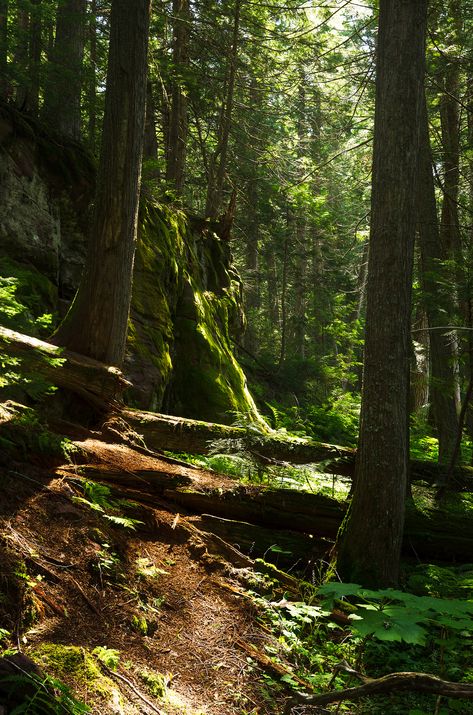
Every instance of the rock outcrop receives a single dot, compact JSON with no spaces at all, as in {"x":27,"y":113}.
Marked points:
{"x":186,"y":305}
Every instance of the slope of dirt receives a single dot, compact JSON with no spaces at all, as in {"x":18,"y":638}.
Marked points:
{"x":73,"y":578}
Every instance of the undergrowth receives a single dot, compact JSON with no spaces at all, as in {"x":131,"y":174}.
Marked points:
{"x":375,"y":632}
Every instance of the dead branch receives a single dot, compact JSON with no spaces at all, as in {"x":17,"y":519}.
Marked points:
{"x":393,"y":682}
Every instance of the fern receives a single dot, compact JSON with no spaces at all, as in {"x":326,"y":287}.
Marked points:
{"x":98,"y":497}
{"x":40,"y":696}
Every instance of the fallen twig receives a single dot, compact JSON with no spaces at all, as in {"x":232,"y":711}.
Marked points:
{"x":133,"y":687}
{"x":85,"y":596}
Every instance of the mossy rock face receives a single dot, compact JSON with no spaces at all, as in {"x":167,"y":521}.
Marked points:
{"x":46,"y":184}
{"x":186,"y":308}
{"x":186,"y":304}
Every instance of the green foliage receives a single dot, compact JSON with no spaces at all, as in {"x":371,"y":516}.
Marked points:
{"x":107,"y":564}
{"x":423,"y":445}
{"x":391,"y":615}
{"x":98,"y":497}
{"x":24,"y":293}
{"x":335,"y":420}
{"x":25,"y":433}
{"x":41,"y":696}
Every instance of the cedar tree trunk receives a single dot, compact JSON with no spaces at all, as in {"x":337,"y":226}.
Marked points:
{"x":370,"y":540}
{"x":96,"y":324}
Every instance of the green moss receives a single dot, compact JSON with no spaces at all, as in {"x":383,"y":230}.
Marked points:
{"x":139,"y":624}
{"x":208,"y":382}
{"x":74,"y":665}
{"x":156,"y":683}
{"x":186,"y":307}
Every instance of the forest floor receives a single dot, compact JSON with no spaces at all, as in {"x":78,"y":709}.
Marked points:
{"x":179,"y":618}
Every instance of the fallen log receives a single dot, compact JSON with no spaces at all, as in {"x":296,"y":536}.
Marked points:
{"x":283,"y":548}
{"x":99,"y":384}
{"x":102,"y":386}
{"x":178,"y":434}
{"x":439,"y":533}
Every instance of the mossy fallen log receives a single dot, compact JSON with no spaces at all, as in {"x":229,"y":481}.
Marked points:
{"x":177,"y":434}
{"x":100,"y":385}
{"x":442,"y":532}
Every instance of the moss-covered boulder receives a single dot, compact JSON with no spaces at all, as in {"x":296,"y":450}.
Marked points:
{"x":186,"y":309}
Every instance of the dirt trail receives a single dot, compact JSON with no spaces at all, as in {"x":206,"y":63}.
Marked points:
{"x":154,"y":594}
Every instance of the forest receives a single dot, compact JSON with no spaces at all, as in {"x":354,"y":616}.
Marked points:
{"x":236,"y":357}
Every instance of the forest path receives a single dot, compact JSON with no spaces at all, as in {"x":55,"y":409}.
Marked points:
{"x":173,"y":611}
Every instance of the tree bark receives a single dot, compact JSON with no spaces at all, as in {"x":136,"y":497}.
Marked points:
{"x":20,"y":53}
{"x":177,"y":136}
{"x":4,"y":83}
{"x":437,"y":304}
{"x":370,"y":542}
{"x":92,"y":80}
{"x":36,"y":25}
{"x":62,"y":99}
{"x":150,"y":142}
{"x":97,"y":322}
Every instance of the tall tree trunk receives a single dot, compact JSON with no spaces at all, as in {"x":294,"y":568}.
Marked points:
{"x":252,"y":237}
{"x":20,"y":55}
{"x":36,"y":25}
{"x":92,"y":79}
{"x":218,"y":162}
{"x":283,"y":346}
{"x":176,"y":158}
{"x":469,"y":101}
{"x":62,"y":100}
{"x":438,"y":304}
{"x":252,"y":287}
{"x":370,"y":541}
{"x":298,"y":318}
{"x":96,"y":324}
{"x":4,"y":83}
{"x":450,"y":234}
{"x":272,"y":286}
{"x":150,"y":144}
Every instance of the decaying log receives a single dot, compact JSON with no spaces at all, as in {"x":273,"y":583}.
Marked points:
{"x":101,"y":385}
{"x":283,"y":548}
{"x":394,"y":682}
{"x":178,"y":434}
{"x":436,"y":534}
